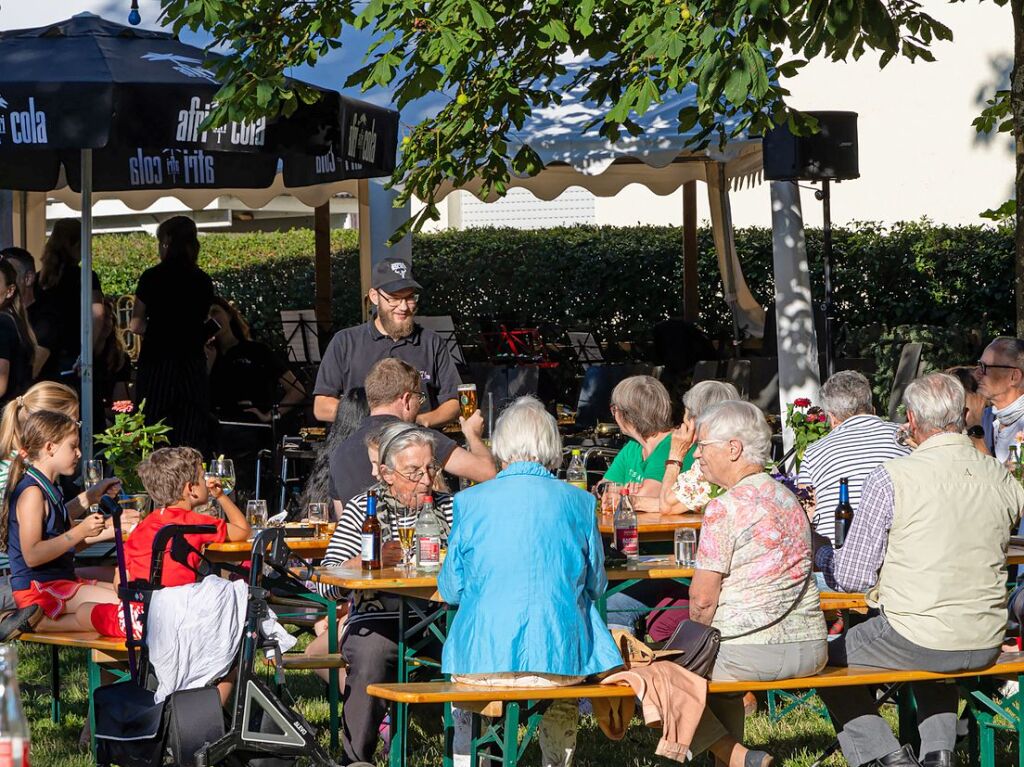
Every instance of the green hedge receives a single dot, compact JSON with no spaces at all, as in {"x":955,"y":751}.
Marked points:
{"x":620,"y":281}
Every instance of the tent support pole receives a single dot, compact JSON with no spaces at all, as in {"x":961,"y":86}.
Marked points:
{"x":86,"y":308}
{"x":365,"y":246}
{"x":691,"y":306}
{"x":322,"y":266}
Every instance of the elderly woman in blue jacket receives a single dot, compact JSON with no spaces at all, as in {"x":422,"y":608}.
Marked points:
{"x":525,"y":565}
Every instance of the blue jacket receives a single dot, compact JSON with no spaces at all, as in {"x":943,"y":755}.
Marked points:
{"x":525,"y":563}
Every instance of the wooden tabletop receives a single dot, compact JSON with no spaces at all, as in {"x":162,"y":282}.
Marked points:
{"x":423,"y":585}
{"x":652,"y":523}
{"x":239,"y":551}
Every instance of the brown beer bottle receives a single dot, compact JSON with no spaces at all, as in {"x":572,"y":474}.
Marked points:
{"x":371,"y":535}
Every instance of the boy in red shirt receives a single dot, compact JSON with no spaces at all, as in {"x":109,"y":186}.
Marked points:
{"x":174,"y":479}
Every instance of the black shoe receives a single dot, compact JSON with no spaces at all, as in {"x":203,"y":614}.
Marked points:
{"x":14,"y":623}
{"x":939,"y":759}
{"x":902,"y":758}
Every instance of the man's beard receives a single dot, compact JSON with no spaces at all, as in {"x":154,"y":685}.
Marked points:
{"x":394,"y":328}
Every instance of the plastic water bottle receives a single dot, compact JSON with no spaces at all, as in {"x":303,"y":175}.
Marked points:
{"x":576,"y":474}
{"x":627,"y":538}
{"x":14,"y":732}
{"x":428,"y":537}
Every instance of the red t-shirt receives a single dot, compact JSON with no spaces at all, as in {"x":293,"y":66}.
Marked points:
{"x":138,"y":549}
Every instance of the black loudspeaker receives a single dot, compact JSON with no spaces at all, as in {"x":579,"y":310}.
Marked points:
{"x":831,"y":153}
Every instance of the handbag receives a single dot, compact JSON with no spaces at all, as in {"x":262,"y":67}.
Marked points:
{"x":697,"y":644}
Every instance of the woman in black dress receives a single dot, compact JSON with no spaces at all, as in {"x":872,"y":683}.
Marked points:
{"x":17,"y":342}
{"x":172,"y":301}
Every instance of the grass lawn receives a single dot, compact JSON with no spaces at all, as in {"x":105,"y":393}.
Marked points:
{"x":795,"y":742}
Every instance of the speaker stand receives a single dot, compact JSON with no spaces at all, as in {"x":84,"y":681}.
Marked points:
{"x":824,"y":194}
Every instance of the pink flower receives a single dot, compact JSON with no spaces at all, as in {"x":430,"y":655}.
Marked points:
{"x":802,"y":402}
{"x":123,"y":406}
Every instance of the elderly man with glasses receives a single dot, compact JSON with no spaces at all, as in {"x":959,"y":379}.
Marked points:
{"x":1000,"y":376}
{"x":392,"y":333}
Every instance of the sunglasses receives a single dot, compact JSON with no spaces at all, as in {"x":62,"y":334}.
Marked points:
{"x":984,"y":367}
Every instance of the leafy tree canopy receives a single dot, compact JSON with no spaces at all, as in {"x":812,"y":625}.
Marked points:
{"x":497,"y":59}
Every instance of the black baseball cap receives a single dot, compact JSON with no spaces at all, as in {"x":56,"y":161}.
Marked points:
{"x":392,"y":275}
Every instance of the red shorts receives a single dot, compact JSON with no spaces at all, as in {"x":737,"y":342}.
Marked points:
{"x":108,"y":620}
{"x":51,"y":596}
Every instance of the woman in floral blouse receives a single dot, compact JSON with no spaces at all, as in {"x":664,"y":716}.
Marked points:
{"x":753,"y":575}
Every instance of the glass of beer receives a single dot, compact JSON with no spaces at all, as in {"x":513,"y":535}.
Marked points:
{"x":407,"y":538}
{"x":256,"y":513}
{"x":316,"y":515}
{"x":467,"y":399}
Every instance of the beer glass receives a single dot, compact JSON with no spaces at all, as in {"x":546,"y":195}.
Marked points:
{"x":316,"y":515}
{"x":686,"y":546}
{"x":467,"y":399}
{"x":224,"y":470}
{"x":256,"y":513}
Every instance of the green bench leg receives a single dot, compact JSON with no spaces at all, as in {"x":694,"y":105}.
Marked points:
{"x":510,"y":737}
{"x":56,"y":715}
{"x":333,"y":693}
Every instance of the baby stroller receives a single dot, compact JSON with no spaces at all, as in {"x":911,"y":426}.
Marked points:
{"x":190,"y":728}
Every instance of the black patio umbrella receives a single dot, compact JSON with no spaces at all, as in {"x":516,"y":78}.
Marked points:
{"x":103,"y":107}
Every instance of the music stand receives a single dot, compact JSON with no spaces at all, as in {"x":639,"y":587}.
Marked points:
{"x":301,"y":334}
{"x":586,"y":348}
{"x":444,"y":326}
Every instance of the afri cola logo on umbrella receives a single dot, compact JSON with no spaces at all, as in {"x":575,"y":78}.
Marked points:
{"x":238,"y":134}
{"x":172,"y":167}
{"x":22,"y":126}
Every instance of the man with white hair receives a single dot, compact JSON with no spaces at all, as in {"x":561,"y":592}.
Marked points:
{"x":1000,"y":376}
{"x":928,"y":543}
{"x":858,"y":442}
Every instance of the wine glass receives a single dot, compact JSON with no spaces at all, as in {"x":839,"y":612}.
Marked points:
{"x":316,"y":515}
{"x":256,"y":514}
{"x":224,"y":470}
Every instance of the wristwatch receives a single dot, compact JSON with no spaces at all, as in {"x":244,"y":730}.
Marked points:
{"x":674,"y":462}
{"x":976,"y":432}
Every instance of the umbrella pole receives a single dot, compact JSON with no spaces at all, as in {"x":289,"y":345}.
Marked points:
{"x":86,"y":308}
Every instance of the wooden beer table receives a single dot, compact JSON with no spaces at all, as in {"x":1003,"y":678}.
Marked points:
{"x":239,"y":551}
{"x":652,"y":526}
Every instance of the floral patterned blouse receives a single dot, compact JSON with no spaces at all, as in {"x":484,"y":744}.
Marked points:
{"x":758,"y":537}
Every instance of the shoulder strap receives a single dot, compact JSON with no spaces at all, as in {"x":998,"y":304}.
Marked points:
{"x":791,"y":608}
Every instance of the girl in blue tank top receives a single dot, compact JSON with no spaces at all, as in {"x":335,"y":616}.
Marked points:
{"x":37,"y":530}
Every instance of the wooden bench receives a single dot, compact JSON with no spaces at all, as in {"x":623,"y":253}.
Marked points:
{"x":529,"y":703}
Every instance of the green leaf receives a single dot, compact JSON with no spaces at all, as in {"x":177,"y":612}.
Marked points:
{"x":481,"y":16}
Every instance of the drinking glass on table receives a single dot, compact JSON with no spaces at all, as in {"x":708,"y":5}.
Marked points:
{"x":223,"y":469}
{"x":316,"y":515}
{"x":685,"y":546}
{"x":256,"y":514}
{"x":93,"y":474}
{"x":405,"y":528}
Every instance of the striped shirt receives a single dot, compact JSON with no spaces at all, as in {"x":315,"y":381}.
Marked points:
{"x":853,"y":450}
{"x":347,"y":543}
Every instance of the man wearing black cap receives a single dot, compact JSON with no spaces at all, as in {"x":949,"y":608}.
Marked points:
{"x":392,"y":333}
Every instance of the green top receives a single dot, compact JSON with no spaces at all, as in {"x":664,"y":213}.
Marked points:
{"x":631,"y":466}
{"x":688,"y":459}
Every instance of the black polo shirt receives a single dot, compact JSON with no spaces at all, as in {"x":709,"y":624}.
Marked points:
{"x":353,"y":351}
{"x":351,"y":473}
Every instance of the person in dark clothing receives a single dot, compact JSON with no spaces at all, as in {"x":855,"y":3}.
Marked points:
{"x":112,"y":367}
{"x":247,"y":382}
{"x":247,"y":379}
{"x":17,"y":343}
{"x":352,"y":411}
{"x":172,"y":303}
{"x":57,"y":317}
